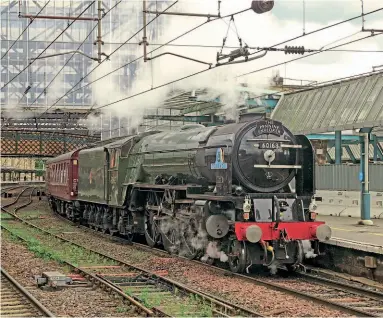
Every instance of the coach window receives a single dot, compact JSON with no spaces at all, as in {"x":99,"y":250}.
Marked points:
{"x":64,"y":172}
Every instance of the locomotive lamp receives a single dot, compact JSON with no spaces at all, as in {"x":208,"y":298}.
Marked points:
{"x":313,"y":206}
{"x":246,"y":208}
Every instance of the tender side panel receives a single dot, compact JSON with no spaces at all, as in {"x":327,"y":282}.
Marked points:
{"x":92,"y":186}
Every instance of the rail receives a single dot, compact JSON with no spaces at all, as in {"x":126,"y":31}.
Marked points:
{"x":143,"y":279}
{"x":14,"y":303}
{"x":333,"y":294}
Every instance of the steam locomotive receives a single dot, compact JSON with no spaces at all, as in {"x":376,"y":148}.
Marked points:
{"x":214,"y":193}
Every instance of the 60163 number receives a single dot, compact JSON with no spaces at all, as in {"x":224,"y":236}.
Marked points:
{"x":269,"y":145}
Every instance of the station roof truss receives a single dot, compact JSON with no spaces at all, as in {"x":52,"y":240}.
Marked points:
{"x":191,"y":101}
{"x":36,"y":120}
{"x":343,"y":105}
{"x":207,"y":102}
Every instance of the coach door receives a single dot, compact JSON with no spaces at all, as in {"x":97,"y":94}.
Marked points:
{"x":114,"y":155}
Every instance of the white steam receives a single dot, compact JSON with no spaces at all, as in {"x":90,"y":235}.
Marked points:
{"x":308,"y":250}
{"x":213,"y":251}
{"x":195,"y":240}
{"x":273,"y":267}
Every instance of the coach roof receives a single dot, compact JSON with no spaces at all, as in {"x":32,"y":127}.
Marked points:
{"x":65,"y":156}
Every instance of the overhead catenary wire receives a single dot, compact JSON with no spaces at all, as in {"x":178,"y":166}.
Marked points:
{"x":136,"y":59}
{"x":86,"y":114}
{"x":66,"y":63}
{"x":203,"y":71}
{"x":188,"y":76}
{"x":71,"y":90}
{"x":26,"y":28}
{"x":305,"y":56}
{"x":62,"y":32}
{"x":272,"y":66}
{"x":200,"y":25}
{"x":183,"y":34}
{"x":213,"y":46}
{"x":327,"y":27}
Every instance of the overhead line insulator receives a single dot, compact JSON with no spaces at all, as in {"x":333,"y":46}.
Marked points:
{"x":294,"y":49}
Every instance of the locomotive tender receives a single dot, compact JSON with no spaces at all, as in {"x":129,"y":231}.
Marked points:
{"x":219,"y":192}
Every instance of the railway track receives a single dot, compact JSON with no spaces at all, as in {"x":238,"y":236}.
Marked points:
{"x":16,"y":301}
{"x":151,"y":292}
{"x":19,"y":198}
{"x":366,"y":302}
{"x":10,"y":188}
{"x":346,"y":297}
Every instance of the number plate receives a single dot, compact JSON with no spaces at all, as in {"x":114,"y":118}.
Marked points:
{"x":269,"y":145}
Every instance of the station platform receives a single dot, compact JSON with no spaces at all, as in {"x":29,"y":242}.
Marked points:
{"x":26,"y":183}
{"x":347,"y":203}
{"x":346,"y":232}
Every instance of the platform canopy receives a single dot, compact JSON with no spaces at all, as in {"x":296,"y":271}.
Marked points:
{"x":342,"y":105}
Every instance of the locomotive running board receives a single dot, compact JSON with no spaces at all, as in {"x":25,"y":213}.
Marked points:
{"x":162,"y":186}
{"x":279,"y":166}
